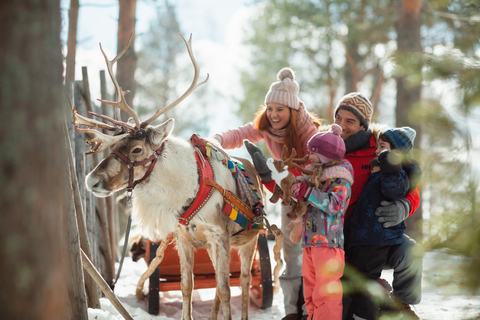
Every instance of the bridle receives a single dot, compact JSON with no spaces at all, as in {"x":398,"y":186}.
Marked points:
{"x":131,"y":169}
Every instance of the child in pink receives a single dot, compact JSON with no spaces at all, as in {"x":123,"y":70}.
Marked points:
{"x":323,"y":241}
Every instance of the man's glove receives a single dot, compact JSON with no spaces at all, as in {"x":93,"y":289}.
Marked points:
{"x":259,"y":161}
{"x":300,"y":191}
{"x":391,"y":213}
{"x":389,"y":162}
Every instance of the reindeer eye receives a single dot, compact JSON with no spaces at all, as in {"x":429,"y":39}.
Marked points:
{"x":137,"y":150}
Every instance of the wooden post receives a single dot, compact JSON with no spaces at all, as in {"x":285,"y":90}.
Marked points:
{"x":99,"y":205}
{"x":88,"y":265}
{"x":82,"y":166}
{"x":78,"y":298}
{"x":92,"y":293}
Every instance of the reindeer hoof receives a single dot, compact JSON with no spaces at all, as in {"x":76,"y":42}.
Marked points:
{"x":139,"y":294}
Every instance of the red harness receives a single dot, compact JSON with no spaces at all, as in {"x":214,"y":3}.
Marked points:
{"x":205,"y":171}
{"x":205,"y":191}
{"x":132,"y":164}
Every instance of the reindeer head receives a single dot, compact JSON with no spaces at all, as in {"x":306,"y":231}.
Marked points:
{"x":134,"y":144}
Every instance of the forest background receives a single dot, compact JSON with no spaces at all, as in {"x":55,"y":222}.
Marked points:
{"x":417,"y":61}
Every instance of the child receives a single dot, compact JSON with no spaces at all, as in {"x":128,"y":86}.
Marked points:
{"x":323,"y":253}
{"x":373,"y":240}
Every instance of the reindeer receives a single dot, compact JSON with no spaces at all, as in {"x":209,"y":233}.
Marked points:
{"x":284,"y":180}
{"x":162,"y":174}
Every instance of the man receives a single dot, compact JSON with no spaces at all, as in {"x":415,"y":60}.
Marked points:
{"x":353,"y":113}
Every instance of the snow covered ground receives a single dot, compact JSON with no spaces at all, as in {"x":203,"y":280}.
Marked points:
{"x":442,"y":298}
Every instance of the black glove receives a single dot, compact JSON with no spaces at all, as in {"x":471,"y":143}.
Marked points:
{"x":389,"y":162}
{"x":259,"y":161}
{"x":391,"y":213}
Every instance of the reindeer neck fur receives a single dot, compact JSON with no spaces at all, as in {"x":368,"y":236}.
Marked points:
{"x":159,"y":202}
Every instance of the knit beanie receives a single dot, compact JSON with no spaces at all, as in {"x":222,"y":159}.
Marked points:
{"x":328,"y":144}
{"x":400,"y":138}
{"x":359,"y":105}
{"x":285,"y":90}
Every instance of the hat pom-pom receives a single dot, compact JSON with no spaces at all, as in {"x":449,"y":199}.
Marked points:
{"x":336,"y":129}
{"x":286,"y":73}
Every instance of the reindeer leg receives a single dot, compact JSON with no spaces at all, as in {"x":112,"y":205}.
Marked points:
{"x":216,"y":300}
{"x":220,"y":256}
{"x":155,"y":262}
{"x":286,"y":186}
{"x":185,"y":254}
{"x":276,"y":194}
{"x":277,"y":256}
{"x":215,"y":307}
{"x":247,"y":252}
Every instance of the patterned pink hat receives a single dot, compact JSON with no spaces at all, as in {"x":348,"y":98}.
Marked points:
{"x":328,"y":144}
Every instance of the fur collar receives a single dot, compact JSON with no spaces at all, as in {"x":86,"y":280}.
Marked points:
{"x":360,"y":140}
{"x":342,"y":170}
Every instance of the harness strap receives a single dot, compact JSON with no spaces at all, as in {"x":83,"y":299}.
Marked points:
{"x":232,"y":199}
{"x":204,"y":192}
{"x":132,"y":164}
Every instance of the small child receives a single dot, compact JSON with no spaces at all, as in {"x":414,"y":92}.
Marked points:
{"x":371,"y":241}
{"x":323,"y":253}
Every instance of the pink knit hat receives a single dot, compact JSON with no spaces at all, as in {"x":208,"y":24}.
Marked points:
{"x":328,"y":145}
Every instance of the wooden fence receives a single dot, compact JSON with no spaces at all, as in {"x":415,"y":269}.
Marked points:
{"x":100,"y":221}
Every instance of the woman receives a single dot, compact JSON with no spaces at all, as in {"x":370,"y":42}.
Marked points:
{"x":283,"y":120}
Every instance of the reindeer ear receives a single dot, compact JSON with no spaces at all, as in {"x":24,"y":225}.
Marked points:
{"x":163,"y":130}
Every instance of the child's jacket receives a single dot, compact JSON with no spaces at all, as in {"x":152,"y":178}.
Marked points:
{"x":365,"y":229}
{"x":323,"y":222}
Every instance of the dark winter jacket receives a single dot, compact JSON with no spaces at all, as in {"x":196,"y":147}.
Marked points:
{"x":365,"y":230}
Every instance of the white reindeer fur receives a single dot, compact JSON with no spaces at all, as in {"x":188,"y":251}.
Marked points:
{"x":158,"y":203}
{"x":155,"y":202}
{"x":277,"y":176}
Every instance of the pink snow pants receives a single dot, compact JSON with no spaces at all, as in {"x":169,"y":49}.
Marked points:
{"x":322,"y":269}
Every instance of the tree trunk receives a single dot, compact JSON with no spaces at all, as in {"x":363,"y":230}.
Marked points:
{"x":128,"y":63}
{"x":409,"y":82}
{"x":72,"y":40}
{"x":32,"y":162}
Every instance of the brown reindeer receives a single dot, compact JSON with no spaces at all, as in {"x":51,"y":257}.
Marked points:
{"x":164,"y":175}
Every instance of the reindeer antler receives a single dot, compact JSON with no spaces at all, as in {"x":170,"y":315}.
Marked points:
{"x":122,"y":103}
{"x":192,"y":87}
{"x":291,"y":162}
{"x":101,"y":141}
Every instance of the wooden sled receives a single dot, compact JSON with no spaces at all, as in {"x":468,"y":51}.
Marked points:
{"x":166,"y":276}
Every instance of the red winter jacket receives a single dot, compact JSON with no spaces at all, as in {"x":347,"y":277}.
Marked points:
{"x":360,"y":161}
